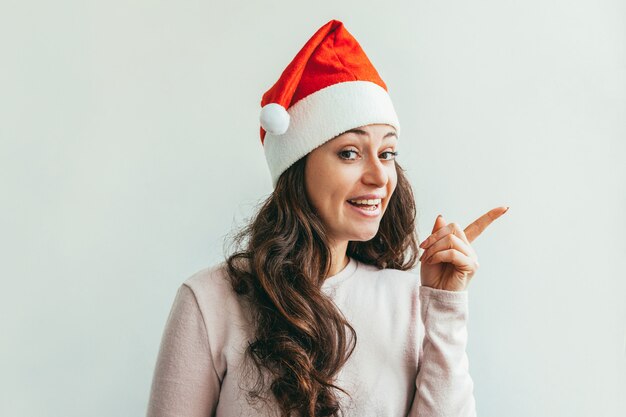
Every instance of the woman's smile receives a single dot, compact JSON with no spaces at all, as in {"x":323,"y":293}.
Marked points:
{"x":366,"y":210}
{"x":367,"y":205}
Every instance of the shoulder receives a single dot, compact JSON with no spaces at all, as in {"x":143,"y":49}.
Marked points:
{"x":211,"y":287}
{"x":225,"y":314}
{"x":210,"y":276}
{"x":210,"y":302}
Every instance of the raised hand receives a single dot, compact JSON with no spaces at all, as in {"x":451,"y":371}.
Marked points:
{"x":450,"y":262}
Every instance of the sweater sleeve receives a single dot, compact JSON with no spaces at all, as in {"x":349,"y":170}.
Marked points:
{"x":185,"y":382}
{"x":444,"y":387}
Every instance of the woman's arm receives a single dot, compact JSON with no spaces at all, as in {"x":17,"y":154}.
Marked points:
{"x":185,"y":382}
{"x":443,"y":384}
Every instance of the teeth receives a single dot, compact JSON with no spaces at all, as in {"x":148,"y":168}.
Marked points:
{"x":368,"y":202}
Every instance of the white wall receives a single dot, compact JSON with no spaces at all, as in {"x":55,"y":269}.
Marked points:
{"x":129,"y":148}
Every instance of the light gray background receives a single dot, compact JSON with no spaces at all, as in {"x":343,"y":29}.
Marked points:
{"x":130,"y":148}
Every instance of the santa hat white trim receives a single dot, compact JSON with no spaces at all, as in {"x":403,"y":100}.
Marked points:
{"x":324,"y":114}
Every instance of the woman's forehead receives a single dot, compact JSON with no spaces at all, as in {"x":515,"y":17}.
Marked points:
{"x":383,"y":132}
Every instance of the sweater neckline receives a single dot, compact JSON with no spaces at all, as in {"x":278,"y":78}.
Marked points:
{"x":342,"y":275}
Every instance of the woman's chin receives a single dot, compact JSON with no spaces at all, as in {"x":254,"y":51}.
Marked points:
{"x":364,"y":235}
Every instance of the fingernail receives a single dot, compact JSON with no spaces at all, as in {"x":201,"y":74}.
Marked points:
{"x":507,"y":209}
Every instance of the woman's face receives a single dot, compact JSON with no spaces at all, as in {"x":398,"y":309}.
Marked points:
{"x":356,"y":165}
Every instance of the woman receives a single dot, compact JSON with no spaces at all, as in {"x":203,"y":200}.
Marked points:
{"x":316,"y":313}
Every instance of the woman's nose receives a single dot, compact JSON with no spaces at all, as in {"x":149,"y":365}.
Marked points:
{"x":375,"y":172}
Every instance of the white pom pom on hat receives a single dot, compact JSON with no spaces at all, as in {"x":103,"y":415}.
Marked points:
{"x":328,"y":88}
{"x":274,"y":118}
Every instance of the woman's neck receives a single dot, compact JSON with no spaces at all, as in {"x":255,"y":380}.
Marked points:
{"x":339,"y":258}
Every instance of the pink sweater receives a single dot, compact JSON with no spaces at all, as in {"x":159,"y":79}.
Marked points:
{"x":409,"y":360}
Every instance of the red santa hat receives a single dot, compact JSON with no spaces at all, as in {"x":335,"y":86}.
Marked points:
{"x":328,"y":88}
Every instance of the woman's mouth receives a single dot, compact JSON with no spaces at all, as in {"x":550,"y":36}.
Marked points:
{"x":368,"y":208}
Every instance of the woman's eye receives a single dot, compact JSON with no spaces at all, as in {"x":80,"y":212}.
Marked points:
{"x":346,"y":154}
{"x":393,"y":154}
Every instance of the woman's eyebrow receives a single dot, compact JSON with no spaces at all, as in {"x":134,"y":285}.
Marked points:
{"x":363,"y":132}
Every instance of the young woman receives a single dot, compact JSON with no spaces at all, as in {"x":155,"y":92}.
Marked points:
{"x":316,"y":313}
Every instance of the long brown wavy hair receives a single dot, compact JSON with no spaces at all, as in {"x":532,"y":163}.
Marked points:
{"x":281,"y":259}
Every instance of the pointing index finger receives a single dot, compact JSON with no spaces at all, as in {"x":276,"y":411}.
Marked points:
{"x":479,"y":225}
